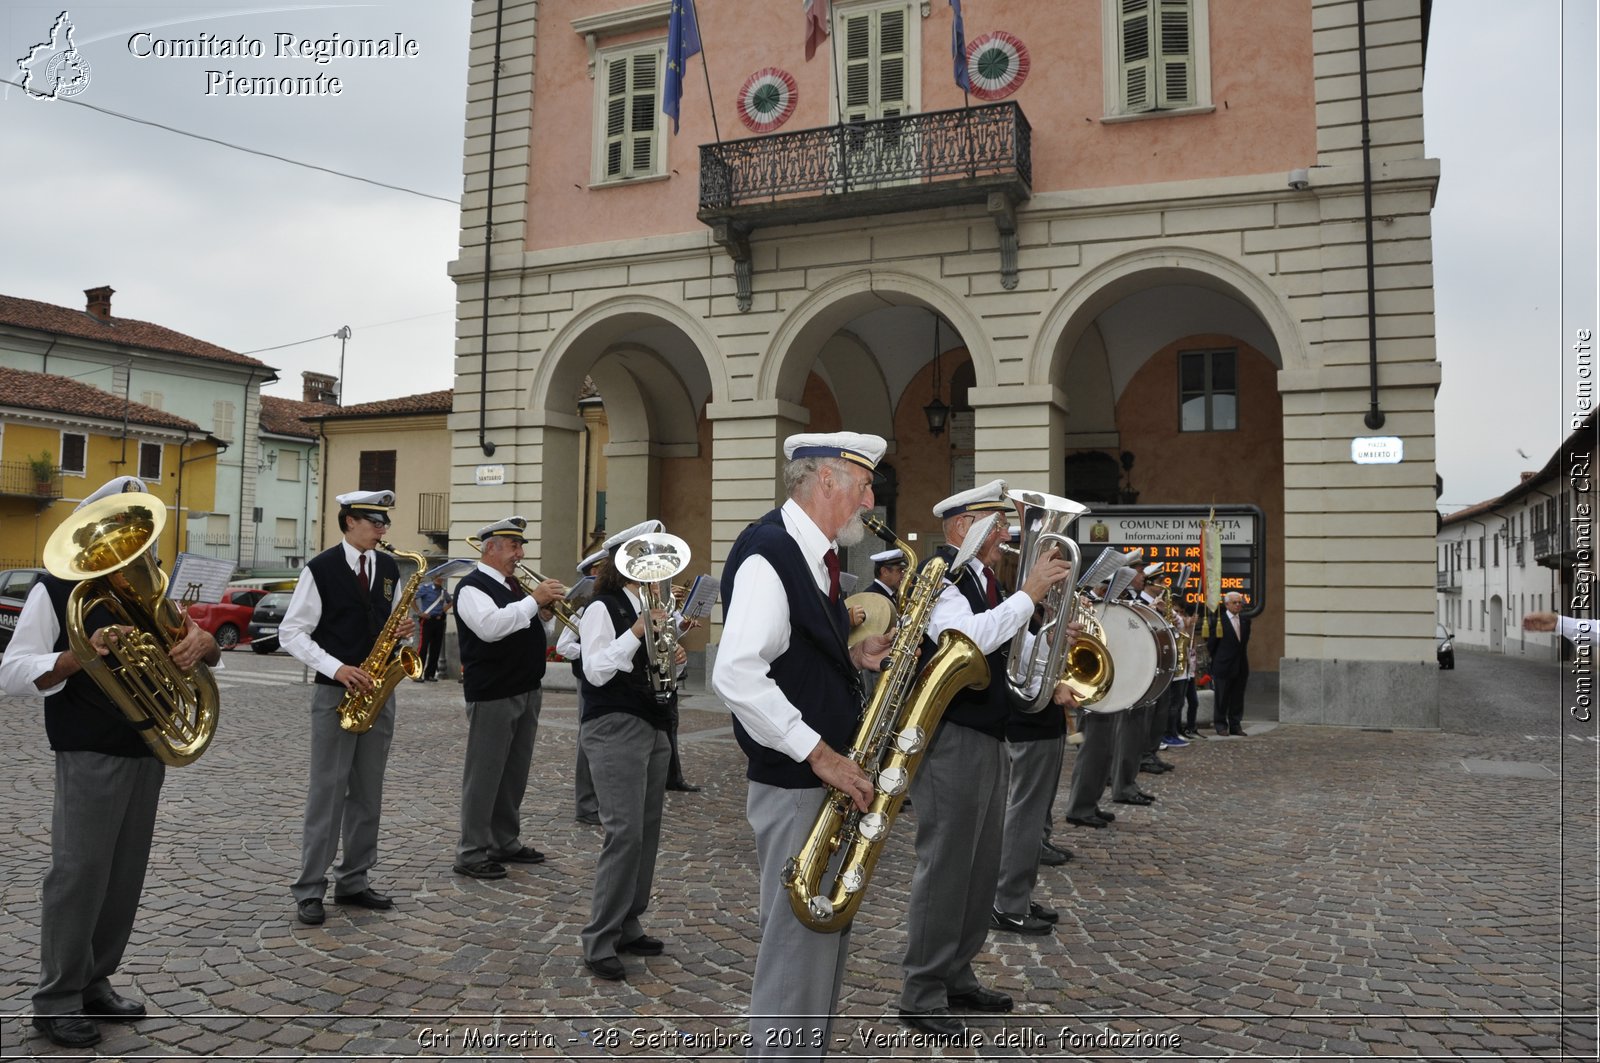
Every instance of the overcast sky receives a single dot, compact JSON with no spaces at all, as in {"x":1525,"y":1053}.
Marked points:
{"x":251,"y":253}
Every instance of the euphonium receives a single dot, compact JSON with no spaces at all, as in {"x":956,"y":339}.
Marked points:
{"x":530,"y":579}
{"x":358,"y":710}
{"x":1084,"y":663}
{"x":652,"y":560}
{"x":888,"y":745}
{"x":108,"y":548}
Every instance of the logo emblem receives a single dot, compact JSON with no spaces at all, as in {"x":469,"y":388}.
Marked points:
{"x":55,"y":69}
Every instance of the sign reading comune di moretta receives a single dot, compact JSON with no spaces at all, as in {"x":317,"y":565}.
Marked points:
{"x":1172,"y":534}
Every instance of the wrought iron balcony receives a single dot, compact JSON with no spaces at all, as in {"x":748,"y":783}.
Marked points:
{"x":22,"y":479}
{"x":1448,"y":580}
{"x":1552,"y":546}
{"x":912,"y":162}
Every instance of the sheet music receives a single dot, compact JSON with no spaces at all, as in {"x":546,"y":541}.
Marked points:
{"x":582,"y":590}
{"x":847,"y":582}
{"x":701,"y":598}
{"x":197,"y":578}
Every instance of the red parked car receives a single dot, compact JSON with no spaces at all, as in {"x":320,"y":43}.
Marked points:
{"x":228,"y":620}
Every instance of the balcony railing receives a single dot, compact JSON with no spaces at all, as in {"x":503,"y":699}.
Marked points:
{"x":1551,"y":544}
{"x":1447,"y":580}
{"x":433,"y":513}
{"x":855,"y":169}
{"x":18,"y":478}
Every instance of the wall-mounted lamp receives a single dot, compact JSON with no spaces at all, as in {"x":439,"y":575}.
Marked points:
{"x":1300,"y":179}
{"x":937,"y":413}
{"x":268,"y":460}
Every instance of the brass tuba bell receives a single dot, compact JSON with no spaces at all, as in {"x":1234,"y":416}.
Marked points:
{"x":109,"y":549}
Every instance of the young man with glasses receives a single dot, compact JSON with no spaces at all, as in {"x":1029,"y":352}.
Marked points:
{"x":339,"y":607}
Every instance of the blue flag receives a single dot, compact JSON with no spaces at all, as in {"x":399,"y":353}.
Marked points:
{"x":958,"y":48}
{"x":683,"y":40}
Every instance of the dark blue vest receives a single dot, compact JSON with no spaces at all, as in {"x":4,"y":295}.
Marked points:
{"x":513,"y":665}
{"x":628,"y":692}
{"x":814,"y":673}
{"x":350,"y":619}
{"x":79,"y":717}
{"x":985,"y":709}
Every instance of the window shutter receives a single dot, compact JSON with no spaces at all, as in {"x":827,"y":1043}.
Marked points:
{"x":222,"y":419}
{"x":858,"y":68}
{"x":73,"y":447}
{"x":150,"y":461}
{"x":152,"y":399}
{"x":616,"y":115}
{"x":891,"y":63}
{"x":632,"y":91}
{"x":376,"y":472}
{"x":1176,"y":50}
{"x":1137,"y":61}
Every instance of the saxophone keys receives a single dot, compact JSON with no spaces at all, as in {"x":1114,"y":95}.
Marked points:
{"x":872,"y":827}
{"x":853,"y":879}
{"x":891,"y":781}
{"x":911,"y":740}
{"x":821,"y":909}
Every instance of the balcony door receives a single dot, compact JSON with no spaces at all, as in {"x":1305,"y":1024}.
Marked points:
{"x":876,"y":64}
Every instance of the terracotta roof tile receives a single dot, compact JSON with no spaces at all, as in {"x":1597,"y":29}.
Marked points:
{"x":286,"y":417}
{"x":427,"y":402}
{"x":123,"y":331}
{"x":58,"y":394}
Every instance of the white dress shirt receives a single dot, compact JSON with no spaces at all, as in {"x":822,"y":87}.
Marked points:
{"x":31,"y":652}
{"x":568,"y":644}
{"x":990,"y":629}
{"x":1567,"y":627}
{"x":755,"y":632}
{"x":606,"y":653}
{"x":491,"y":622}
{"x":305,"y":613}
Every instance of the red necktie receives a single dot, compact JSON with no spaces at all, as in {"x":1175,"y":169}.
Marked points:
{"x":513,"y":586}
{"x":366,"y":581}
{"x":831,"y":559}
{"x":991,"y":590}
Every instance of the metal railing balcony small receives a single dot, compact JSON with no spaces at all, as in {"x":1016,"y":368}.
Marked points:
{"x":1446,"y":580}
{"x":854,"y":169}
{"x":22,"y":478}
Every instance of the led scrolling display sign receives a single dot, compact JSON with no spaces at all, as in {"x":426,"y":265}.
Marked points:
{"x":1172,"y":534}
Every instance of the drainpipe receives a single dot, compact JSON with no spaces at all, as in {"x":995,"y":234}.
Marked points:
{"x":178,"y":499}
{"x":244,"y":416}
{"x":1374,"y":418}
{"x":488,"y":236}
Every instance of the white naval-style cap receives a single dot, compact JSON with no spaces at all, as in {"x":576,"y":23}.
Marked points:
{"x":987,"y":498}
{"x":885,"y":556}
{"x":621,"y":537}
{"x":864,"y":450}
{"x":589,"y":562}
{"x":372,"y":500}
{"x":510,"y":528}
{"x":118,"y":486}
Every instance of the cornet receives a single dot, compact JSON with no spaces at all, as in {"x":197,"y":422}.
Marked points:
{"x":531,"y":579}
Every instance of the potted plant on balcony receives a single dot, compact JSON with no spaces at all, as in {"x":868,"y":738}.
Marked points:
{"x":44,"y":473}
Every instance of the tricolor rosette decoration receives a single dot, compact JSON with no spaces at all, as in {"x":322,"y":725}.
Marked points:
{"x":997,"y":64}
{"x":767,"y":99}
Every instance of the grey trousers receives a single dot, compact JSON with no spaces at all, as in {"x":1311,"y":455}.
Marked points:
{"x":960,"y":795}
{"x":100,"y":830}
{"x":628,"y":758}
{"x":500,"y":736}
{"x":798,"y":971}
{"x":1035,"y":769}
{"x":344,"y":797}
{"x":1092,"y":767}
{"x":1132,"y":737}
{"x":584,"y":805}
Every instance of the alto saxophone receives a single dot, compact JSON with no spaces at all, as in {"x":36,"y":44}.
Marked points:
{"x":888,"y":745}
{"x":359,"y":710}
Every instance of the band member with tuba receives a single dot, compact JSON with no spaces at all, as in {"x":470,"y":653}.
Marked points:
{"x":504,"y":630}
{"x":960,"y":791}
{"x":792,"y":683}
{"x":623,"y":732}
{"x":340,"y":605}
{"x":108,"y":784}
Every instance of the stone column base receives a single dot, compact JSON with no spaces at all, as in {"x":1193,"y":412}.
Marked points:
{"x":1398,"y":694}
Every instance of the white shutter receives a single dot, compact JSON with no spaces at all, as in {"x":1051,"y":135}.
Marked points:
{"x":1136,"y":66}
{"x":891,"y":61}
{"x":858,"y":68}
{"x":152,"y":399}
{"x":875,"y":60}
{"x":1175,"y":49}
{"x":632,"y":89}
{"x":222,"y":419}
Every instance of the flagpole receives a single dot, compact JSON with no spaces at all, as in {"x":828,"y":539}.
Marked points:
{"x":705,"y":68}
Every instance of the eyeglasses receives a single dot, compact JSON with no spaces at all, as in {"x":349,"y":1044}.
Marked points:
{"x":376,"y":518}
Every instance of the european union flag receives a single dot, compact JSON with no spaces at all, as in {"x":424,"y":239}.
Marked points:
{"x":958,"y":49}
{"x":683,"y":40}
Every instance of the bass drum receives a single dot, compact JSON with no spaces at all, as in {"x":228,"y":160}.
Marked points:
{"x":1143,"y":650}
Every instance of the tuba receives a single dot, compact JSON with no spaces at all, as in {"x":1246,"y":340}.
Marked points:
{"x":888,"y":745}
{"x":530,"y":579}
{"x":1083,"y":664}
{"x":652,"y":560}
{"x":108,"y":549}
{"x":389,"y":660}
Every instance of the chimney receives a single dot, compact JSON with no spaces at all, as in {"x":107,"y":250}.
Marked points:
{"x":319,"y":387}
{"x":99,"y":306}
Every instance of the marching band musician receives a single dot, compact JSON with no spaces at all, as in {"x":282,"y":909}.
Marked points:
{"x":785,"y":670}
{"x":342,"y":601}
{"x":585,"y":808}
{"x":888,"y":572}
{"x":1133,"y":729}
{"x":623,"y":733}
{"x":108,"y":785}
{"x":960,"y":790}
{"x":503,"y":631}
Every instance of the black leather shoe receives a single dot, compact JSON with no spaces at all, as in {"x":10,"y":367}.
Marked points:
{"x":981,"y":999}
{"x":1236,"y":732}
{"x":1043,"y":911}
{"x":938,"y":1022}
{"x":608,"y":967}
{"x":1109,"y":817}
{"x":643,"y":945}
{"x":1049,"y":857}
{"x":68,"y":1031}
{"x":367,"y":898}
{"x":310,"y":912}
{"x":114,"y":1008}
{"x":527,"y":854}
{"x":1086,"y":821}
{"x":592,"y":819}
{"x":1136,"y":799}
{"x":683,"y":787}
{"x":480,"y":869}
{"x":1147,"y":797}
{"x":1017,"y":924}
{"x":1222,"y":732}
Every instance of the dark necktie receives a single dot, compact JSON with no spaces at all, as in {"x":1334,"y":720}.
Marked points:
{"x":514,"y":587}
{"x":831,"y":559}
{"x":366,"y":580}
{"x":991,"y":589}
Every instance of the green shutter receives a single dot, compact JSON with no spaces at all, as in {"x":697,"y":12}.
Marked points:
{"x":1136,"y":59}
{"x":632,"y":84}
{"x":1175,"y":49}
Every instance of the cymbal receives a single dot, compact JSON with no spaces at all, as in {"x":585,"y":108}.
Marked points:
{"x":880,"y":615}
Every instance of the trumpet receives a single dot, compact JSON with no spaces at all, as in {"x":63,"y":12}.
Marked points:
{"x":530,"y":579}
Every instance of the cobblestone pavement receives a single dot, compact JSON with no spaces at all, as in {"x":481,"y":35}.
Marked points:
{"x":1299,"y":892}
